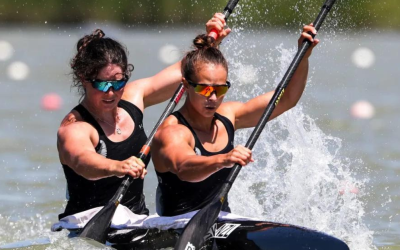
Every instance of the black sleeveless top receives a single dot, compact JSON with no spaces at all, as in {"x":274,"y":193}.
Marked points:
{"x":178,"y":197}
{"x":84,"y":194}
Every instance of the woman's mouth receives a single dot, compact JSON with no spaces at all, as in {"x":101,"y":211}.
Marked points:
{"x":210,"y":107}
{"x":108,"y":101}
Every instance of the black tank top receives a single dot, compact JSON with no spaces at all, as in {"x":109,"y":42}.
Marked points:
{"x":177,"y":196}
{"x":84,"y":194}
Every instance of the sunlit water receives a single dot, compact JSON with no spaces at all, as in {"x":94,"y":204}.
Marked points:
{"x":316,"y":165}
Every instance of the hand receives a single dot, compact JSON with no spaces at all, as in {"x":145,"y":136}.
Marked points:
{"x":240,"y":155}
{"x":307,"y":30}
{"x":217,"y":23}
{"x":132,"y":166}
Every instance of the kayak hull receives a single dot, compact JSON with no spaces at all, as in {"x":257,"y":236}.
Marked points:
{"x":233,"y":235}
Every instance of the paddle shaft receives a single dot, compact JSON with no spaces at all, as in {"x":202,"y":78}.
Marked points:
{"x":144,"y":152}
{"x":97,"y":228}
{"x":279,"y":91}
{"x":194,"y":232}
{"x":227,"y":12}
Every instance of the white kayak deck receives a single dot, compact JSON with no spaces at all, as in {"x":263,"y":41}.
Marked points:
{"x":126,"y":219}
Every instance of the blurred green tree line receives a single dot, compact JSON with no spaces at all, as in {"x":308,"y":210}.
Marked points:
{"x":362,"y":14}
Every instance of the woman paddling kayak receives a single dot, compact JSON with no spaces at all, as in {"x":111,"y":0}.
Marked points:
{"x":193,"y":151}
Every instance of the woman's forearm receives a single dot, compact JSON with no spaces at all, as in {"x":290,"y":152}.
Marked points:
{"x":198,"y":168}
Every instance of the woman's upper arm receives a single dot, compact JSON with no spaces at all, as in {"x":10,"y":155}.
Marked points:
{"x":248,"y":114}
{"x":162,"y":86}
{"x":73,"y":140}
{"x":170,"y":147}
{"x":156,"y":89}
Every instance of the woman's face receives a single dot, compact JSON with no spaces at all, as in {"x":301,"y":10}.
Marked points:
{"x":109,"y":99}
{"x":207,"y":74}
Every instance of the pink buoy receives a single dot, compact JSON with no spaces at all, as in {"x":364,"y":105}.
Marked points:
{"x":51,"y":102}
{"x":362,"y":110}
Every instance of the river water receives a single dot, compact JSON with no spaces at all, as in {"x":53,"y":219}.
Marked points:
{"x":316,"y":166}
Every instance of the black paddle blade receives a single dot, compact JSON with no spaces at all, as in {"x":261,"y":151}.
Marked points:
{"x":97,"y":228}
{"x":193,"y":235}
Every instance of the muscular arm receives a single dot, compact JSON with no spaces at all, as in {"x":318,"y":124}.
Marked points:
{"x":156,"y":89}
{"x":75,"y":144}
{"x":172,"y":151}
{"x":76,"y":150}
{"x":249,"y":113}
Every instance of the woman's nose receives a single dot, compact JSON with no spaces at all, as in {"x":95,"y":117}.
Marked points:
{"x":213,"y":95}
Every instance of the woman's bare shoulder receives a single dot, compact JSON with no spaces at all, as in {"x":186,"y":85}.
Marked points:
{"x":73,"y":123}
{"x":74,"y":128}
{"x":71,"y":118}
{"x":171,"y":129}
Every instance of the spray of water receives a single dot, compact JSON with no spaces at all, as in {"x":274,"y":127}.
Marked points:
{"x":300,"y":175}
{"x":34,"y":233}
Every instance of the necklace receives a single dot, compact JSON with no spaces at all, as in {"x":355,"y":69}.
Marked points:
{"x":117,"y":129}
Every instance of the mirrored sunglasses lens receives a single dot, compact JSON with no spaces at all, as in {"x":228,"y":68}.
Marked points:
{"x":117,"y":85}
{"x":208,"y":90}
{"x":101,"y":85}
{"x":204,"y":90}
{"x":221,"y":90}
{"x":105,"y":85}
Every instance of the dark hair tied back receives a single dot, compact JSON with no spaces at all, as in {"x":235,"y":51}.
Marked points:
{"x":83,"y":42}
{"x":204,"y":42}
{"x":206,"y":51}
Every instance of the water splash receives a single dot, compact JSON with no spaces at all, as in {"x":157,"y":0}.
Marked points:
{"x":34,"y":233}
{"x":300,"y":175}
{"x":22,"y":229}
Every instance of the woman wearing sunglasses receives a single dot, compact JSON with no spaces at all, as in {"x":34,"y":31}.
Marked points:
{"x":193,"y":150}
{"x":99,"y":139}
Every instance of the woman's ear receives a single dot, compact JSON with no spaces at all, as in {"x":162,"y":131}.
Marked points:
{"x":185,"y":83}
{"x":84,"y":82}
